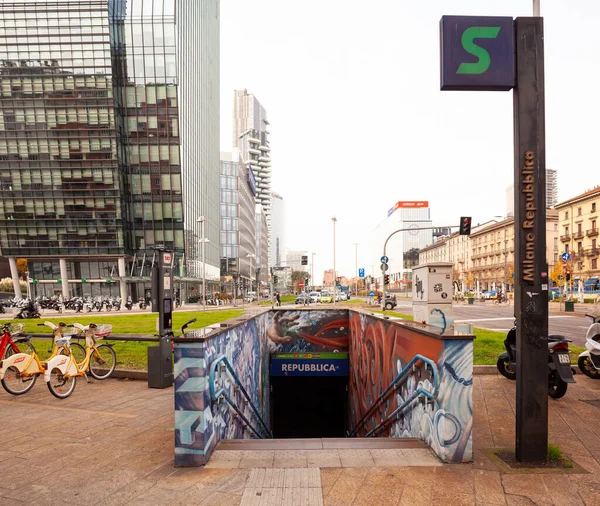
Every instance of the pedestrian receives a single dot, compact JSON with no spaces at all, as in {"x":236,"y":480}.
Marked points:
{"x":278,"y":298}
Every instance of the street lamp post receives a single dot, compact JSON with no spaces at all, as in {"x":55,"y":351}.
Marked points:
{"x":203,"y":240}
{"x":312,"y":270}
{"x":356,"y":267}
{"x":334,"y":219}
{"x":252,"y":267}
{"x":505,"y":287}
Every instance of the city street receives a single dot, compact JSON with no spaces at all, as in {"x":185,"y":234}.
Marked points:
{"x":493,"y":317}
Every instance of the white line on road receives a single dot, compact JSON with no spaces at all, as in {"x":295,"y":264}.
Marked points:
{"x":500,"y":319}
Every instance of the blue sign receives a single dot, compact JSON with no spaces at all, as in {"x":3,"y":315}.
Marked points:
{"x":371,"y":294}
{"x":384,"y":259}
{"x":477,"y":53}
{"x":330,"y":366}
{"x":566,"y":256}
{"x":361,"y":273}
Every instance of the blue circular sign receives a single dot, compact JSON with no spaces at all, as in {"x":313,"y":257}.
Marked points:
{"x":371,"y":294}
{"x":566,"y":256}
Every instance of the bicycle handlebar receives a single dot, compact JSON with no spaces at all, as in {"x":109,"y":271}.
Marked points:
{"x":186,"y":325}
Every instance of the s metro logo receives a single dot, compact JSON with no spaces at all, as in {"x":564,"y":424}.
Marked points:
{"x":484,"y":61}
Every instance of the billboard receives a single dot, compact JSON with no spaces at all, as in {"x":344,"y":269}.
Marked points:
{"x":410,"y":204}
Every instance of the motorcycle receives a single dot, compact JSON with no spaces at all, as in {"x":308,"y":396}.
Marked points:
{"x":28,"y":310}
{"x":142,"y":304}
{"x":560,"y":373}
{"x":589,"y":361}
{"x":116,"y":303}
{"x":128,"y":304}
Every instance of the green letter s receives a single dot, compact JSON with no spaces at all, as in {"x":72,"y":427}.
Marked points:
{"x":477,"y":32}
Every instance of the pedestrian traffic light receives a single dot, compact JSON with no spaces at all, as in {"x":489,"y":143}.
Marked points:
{"x":387,"y":279}
{"x":465,"y":225}
{"x":568,"y":275}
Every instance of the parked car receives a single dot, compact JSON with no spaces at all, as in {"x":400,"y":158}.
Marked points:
{"x":326,"y":298}
{"x":303,"y":298}
{"x":314,"y":297}
{"x":390,"y":302}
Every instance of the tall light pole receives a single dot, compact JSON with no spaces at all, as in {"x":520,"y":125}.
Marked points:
{"x":253,"y":268}
{"x":312,"y":270}
{"x":334,"y":219}
{"x":203,"y":240}
{"x":356,"y":267}
{"x":505,"y":287}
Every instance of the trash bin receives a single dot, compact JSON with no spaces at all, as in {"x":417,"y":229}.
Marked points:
{"x":471,"y":300}
{"x":569,"y":306}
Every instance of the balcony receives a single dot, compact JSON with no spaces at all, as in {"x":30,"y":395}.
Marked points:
{"x":264,"y":159}
{"x":265,"y":148}
{"x":254,"y":140}
{"x":591,"y":232}
{"x":591,"y":252}
{"x":577,"y":235}
{"x":565,"y":238}
{"x":254,"y":151}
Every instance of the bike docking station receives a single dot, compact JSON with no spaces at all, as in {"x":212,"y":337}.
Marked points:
{"x":160,"y":358}
{"x":432,"y":294}
{"x":499,"y":54}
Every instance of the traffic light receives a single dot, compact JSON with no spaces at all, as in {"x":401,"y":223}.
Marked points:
{"x":387,"y":279}
{"x":568,"y":275}
{"x":465,"y":225}
{"x":304,"y":260}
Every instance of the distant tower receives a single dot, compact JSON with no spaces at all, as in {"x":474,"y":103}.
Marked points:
{"x":551,"y":192}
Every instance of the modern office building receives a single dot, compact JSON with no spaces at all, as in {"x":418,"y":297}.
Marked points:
{"x":277,"y":233}
{"x":551,"y":192}
{"x":109,"y":139}
{"x":403,"y":247}
{"x":262,"y":248}
{"x":251,"y":137}
{"x":238,"y":222}
{"x":293,"y":259}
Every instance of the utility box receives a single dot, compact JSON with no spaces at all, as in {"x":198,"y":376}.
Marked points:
{"x":432,"y":293}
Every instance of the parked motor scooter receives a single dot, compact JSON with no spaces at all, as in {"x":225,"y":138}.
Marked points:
{"x":560,"y":372}
{"x":28,"y":310}
{"x":128,"y":303}
{"x":589,"y":361}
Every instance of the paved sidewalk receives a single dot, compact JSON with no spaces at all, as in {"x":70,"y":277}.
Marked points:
{"x":111,"y":443}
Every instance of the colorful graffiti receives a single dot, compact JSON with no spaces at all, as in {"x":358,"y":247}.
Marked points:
{"x":306,"y":330}
{"x":379,"y":351}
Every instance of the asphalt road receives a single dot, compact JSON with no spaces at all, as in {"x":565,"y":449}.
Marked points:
{"x":501,"y":318}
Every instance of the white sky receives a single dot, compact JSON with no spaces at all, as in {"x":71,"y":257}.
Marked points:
{"x":358,"y":121}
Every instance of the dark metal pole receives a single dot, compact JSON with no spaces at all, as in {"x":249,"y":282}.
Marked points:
{"x":531,"y":270}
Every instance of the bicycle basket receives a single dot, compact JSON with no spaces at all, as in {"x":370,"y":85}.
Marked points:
{"x":103,"y":331}
{"x":17,"y":329}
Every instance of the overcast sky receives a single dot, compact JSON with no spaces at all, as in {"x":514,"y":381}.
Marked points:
{"x":358,"y":121}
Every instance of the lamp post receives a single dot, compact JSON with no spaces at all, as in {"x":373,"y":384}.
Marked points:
{"x":505,"y":287}
{"x":203,"y":240}
{"x":312,"y":270}
{"x":252,"y":268}
{"x":356,"y":267}
{"x":334,"y":219}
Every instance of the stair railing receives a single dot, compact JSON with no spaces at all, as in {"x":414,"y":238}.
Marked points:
{"x":216,"y":396}
{"x":394,"y":385}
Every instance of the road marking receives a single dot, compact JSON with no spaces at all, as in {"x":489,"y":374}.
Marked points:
{"x":499,"y":319}
{"x":73,"y":410}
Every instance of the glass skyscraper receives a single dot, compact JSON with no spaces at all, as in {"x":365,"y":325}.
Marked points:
{"x":109,"y":139}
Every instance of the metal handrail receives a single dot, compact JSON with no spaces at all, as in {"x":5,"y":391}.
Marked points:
{"x":215,"y":396}
{"x":401,"y":376}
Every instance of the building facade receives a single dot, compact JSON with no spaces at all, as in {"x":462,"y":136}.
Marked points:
{"x":293,"y":259}
{"x":251,"y":137}
{"x":402,"y":248}
{"x":551,"y":192}
{"x":578,"y":226}
{"x":262,"y":248}
{"x":238,"y":222}
{"x":100,"y":161}
{"x":277,"y":232}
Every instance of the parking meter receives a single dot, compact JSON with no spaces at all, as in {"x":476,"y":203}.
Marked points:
{"x":160,"y":358}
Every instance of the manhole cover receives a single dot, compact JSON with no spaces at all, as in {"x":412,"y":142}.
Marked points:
{"x":595,"y":403}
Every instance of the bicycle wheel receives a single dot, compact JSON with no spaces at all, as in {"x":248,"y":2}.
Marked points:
{"x":59,"y":385}
{"x":13,"y":382}
{"x":22,"y":347}
{"x":77,"y":351}
{"x":102,"y":362}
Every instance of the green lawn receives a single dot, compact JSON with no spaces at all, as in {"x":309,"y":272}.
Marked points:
{"x":144,"y":323}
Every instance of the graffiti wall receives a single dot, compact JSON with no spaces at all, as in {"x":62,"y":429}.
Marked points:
{"x":379,"y":351}
{"x":200,"y":424}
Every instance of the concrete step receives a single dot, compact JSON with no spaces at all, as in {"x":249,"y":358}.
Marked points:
{"x":320,"y":443}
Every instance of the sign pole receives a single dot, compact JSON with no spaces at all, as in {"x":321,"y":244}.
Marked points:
{"x":531,"y":289}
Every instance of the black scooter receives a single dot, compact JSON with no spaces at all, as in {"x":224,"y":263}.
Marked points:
{"x":28,"y":311}
{"x":560,"y":372}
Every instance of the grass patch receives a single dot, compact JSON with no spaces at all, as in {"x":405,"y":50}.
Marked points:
{"x":394,"y":313}
{"x":144,"y":323}
{"x":554,"y":452}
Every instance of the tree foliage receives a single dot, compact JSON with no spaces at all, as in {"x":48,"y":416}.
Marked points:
{"x":22,"y":267}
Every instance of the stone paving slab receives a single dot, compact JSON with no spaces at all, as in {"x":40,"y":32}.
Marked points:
{"x":111,"y":444}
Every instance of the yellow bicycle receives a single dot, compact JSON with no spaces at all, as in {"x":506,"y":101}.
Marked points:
{"x":19,"y":371}
{"x":61,"y":372}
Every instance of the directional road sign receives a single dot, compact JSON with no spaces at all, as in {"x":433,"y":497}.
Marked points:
{"x":371,"y":294}
{"x":384,"y":267}
{"x":384,"y":259}
{"x":361,"y":273}
{"x":566,"y":256}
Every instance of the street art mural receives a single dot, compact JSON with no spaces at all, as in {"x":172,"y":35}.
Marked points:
{"x":307,"y":331}
{"x":379,"y":351}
